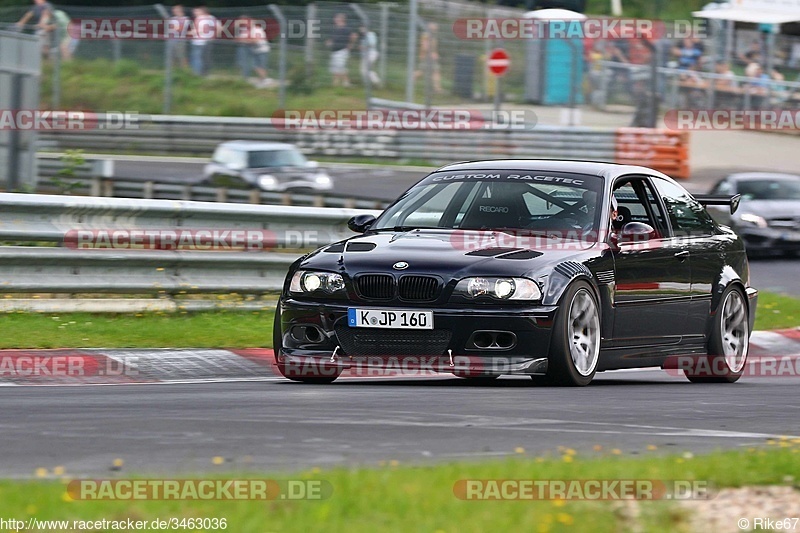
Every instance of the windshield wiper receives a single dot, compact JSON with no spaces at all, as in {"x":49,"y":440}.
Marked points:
{"x":407,"y":228}
{"x":510,"y":230}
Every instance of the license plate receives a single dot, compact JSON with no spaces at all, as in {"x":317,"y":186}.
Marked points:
{"x":389,"y":318}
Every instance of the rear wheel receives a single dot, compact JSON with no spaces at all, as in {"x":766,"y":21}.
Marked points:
{"x":575,"y":343}
{"x":319,"y":374}
{"x":729,"y":342}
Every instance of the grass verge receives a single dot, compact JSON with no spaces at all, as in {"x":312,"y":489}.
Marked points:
{"x":776,"y":311}
{"x":217,"y":329}
{"x":208,"y":329}
{"x":396,"y":497}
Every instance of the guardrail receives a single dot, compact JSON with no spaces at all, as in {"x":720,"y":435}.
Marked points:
{"x":94,"y":177}
{"x":200,"y":135}
{"x":107,"y":268}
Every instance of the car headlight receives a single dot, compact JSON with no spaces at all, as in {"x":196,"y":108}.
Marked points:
{"x":307,"y":282}
{"x":266,"y":181}
{"x":753,"y":220}
{"x":322,"y":179}
{"x":500,"y":288}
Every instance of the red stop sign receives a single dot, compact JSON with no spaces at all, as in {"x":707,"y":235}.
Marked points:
{"x":498,"y":62}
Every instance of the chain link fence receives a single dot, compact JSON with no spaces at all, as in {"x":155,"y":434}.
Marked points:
{"x":438,"y":68}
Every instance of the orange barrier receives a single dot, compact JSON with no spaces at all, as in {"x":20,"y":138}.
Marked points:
{"x":663,"y":150}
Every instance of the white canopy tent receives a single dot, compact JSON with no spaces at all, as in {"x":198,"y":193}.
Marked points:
{"x":774,"y":12}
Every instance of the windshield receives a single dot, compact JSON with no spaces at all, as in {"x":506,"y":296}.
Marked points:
{"x":276,"y":158}
{"x":503,"y":201}
{"x":768,"y":189}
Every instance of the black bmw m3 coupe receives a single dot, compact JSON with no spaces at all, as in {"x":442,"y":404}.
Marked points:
{"x":553,"y":269}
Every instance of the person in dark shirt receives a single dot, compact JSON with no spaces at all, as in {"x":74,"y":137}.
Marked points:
{"x":340,"y":42}
{"x":41,"y":13}
{"x":688,"y":54}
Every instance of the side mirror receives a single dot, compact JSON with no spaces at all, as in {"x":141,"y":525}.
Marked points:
{"x":234,"y":166}
{"x":637,"y":232}
{"x":312,"y":164}
{"x":360,"y":223}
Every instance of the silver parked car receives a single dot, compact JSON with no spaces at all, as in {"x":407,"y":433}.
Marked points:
{"x":267,"y":166}
{"x":768,"y":218}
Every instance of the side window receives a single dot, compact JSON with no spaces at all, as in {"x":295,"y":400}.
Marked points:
{"x":637,"y":202}
{"x":723,"y":187}
{"x":634,"y":210}
{"x":686,"y":215}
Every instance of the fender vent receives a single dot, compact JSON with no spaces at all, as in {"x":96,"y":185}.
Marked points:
{"x":570,"y":269}
{"x":605,"y":276}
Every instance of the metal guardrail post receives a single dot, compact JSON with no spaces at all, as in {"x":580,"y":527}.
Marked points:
{"x":364,"y":67}
{"x":168,"y":64}
{"x":55,"y":53}
{"x":14,"y":144}
{"x":311,"y":16}
{"x":411,"y":49}
{"x":384,"y":37}
{"x":281,"y":54}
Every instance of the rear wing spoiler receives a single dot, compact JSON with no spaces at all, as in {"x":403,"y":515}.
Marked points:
{"x":714,"y":199}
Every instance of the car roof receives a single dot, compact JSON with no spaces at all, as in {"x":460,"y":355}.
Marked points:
{"x":761,"y":175}
{"x":256,"y":145}
{"x":594,"y":168}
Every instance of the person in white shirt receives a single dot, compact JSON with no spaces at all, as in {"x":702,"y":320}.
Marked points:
{"x":205,"y":31}
{"x":178,"y":24}
{"x":253,"y":49}
{"x":369,"y":55}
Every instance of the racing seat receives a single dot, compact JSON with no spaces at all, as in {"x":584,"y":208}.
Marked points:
{"x":492,"y":213}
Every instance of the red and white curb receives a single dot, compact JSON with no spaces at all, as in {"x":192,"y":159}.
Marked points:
{"x":177,"y":365}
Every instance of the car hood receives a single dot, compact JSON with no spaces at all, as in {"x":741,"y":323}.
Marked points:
{"x":771,"y":208}
{"x":447,"y":253}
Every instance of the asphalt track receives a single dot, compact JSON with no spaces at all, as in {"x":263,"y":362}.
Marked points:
{"x":274,"y":425}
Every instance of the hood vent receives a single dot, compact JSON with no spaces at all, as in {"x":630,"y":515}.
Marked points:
{"x":491,"y":252}
{"x":335,"y":248}
{"x":361,"y":246}
{"x":522,"y":254}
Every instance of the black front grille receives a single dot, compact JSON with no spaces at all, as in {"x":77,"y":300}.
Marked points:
{"x":376,"y":286}
{"x":419,"y":288}
{"x":374,"y":341}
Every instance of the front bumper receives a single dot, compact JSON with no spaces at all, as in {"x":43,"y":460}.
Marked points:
{"x":447,"y":348}
{"x":770,"y":239}
{"x":299,"y":184}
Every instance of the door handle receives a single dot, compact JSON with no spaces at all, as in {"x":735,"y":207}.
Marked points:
{"x":682,"y":255}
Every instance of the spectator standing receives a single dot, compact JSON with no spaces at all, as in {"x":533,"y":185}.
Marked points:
{"x":758,"y":84}
{"x":369,"y":55}
{"x":205,"y":30}
{"x":253,"y":50}
{"x":688,"y":54}
{"x":727,"y":81}
{"x":178,"y":23}
{"x":753,"y":54}
{"x":340,"y":43}
{"x":429,"y":56}
{"x":59,"y":29}
{"x":40,"y":13}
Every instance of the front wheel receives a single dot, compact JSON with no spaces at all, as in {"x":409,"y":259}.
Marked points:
{"x":317,"y":374}
{"x":575,"y":343}
{"x":729,"y":342}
